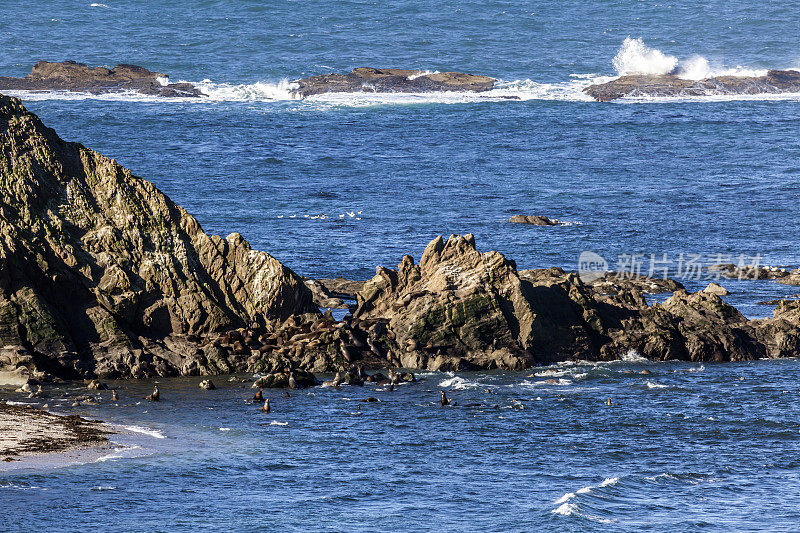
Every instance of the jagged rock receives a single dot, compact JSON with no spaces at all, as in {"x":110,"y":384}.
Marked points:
{"x":207,"y":384}
{"x":695,"y":327}
{"x":669,"y":85}
{"x":461,"y":303}
{"x":78,"y":77}
{"x":389,"y":80}
{"x":536,"y":220}
{"x":460,"y":309}
{"x":714,"y":288}
{"x":101,"y":275}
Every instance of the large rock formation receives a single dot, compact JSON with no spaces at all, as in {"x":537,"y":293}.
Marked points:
{"x":77,"y":77}
{"x":390,"y":80}
{"x":774,"y":82}
{"x":102,"y":275}
{"x":460,"y":308}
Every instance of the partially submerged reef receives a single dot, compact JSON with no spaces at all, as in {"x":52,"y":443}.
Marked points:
{"x":78,"y":77}
{"x":391,"y":80}
{"x":671,"y":85}
{"x":103,"y":276}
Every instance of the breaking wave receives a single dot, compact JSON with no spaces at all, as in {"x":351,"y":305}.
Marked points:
{"x":635,"y":57}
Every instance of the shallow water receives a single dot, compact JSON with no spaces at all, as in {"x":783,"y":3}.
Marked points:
{"x":689,"y":446}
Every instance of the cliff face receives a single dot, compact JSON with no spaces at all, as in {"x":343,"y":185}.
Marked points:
{"x":102,"y":274}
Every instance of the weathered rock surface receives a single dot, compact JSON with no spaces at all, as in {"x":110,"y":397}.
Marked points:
{"x":536,"y":220}
{"x":101,"y":275}
{"x":716,"y":288}
{"x":78,"y":77}
{"x":775,"y":81}
{"x":462,"y":309}
{"x":389,"y":80}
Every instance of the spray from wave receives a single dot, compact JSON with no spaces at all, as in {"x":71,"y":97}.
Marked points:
{"x":636,"y":58}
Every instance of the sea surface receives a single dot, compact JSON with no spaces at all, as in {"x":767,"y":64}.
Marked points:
{"x":713,"y":178}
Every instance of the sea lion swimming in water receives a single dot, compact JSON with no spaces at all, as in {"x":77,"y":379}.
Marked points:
{"x":443,"y":400}
{"x":292,"y":381}
{"x":259,"y":395}
{"x":286,"y":394}
{"x":608,"y":402}
{"x":155,"y":396}
{"x":114,"y":395}
{"x":266,"y":407}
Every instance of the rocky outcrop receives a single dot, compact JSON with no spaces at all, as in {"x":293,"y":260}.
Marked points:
{"x":535,"y":220}
{"x":102,"y":275}
{"x":78,"y":77}
{"x":668,"y":85}
{"x":461,"y":309}
{"x":389,"y":80}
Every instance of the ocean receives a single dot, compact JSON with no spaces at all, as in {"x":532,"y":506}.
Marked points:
{"x":658,"y":181}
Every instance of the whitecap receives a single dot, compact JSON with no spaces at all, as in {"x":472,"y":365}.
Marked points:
{"x":632,"y":356}
{"x":276,"y":423}
{"x":654,"y":385}
{"x":145,"y":431}
{"x":458,"y":383}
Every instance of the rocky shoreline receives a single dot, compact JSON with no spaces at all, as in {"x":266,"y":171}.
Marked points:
{"x":26,"y":431}
{"x":103,"y":276}
{"x":669,"y":85}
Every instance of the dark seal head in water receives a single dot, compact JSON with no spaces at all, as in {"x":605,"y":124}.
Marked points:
{"x":259,"y":395}
{"x":266,"y":407}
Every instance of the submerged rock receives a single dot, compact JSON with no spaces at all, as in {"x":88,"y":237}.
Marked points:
{"x":102,"y":275}
{"x":389,"y":80}
{"x":669,"y":85}
{"x":78,"y":77}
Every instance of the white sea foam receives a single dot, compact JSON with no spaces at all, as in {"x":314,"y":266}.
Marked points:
{"x":635,"y":57}
{"x":276,"y":423}
{"x":259,"y":91}
{"x":654,"y":385}
{"x":568,"y":506}
{"x":458,"y":383}
{"x":120,"y":453}
{"x":98,"y":5}
{"x":145,"y":431}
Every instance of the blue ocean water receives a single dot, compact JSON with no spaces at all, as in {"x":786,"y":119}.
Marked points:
{"x":712,"y":176}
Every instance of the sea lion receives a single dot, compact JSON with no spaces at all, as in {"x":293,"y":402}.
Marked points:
{"x":259,"y":396}
{"x":286,"y":394}
{"x":608,"y":402}
{"x":155,"y":396}
{"x":443,"y":400}
{"x":114,"y":396}
{"x":390,"y":388}
{"x":266,"y":407}
{"x":292,"y":381}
